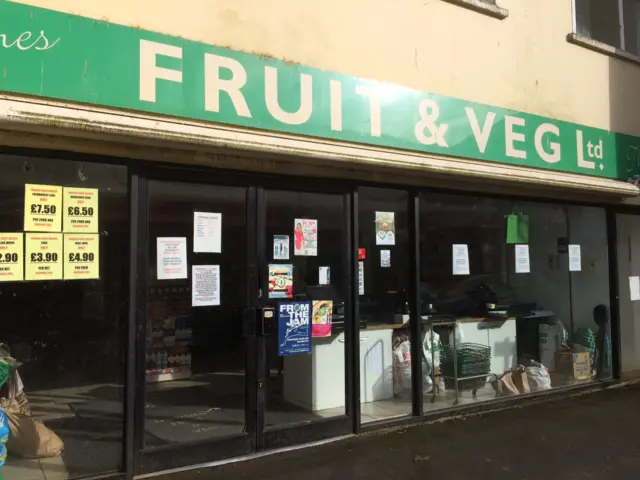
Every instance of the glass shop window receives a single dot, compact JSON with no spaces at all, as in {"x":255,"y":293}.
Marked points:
{"x":63,"y":292}
{"x":385,"y":339}
{"x":307,"y":264}
{"x":516,"y":295}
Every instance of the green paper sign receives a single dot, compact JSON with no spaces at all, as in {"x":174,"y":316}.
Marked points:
{"x":66,"y":57}
{"x":518,"y":229}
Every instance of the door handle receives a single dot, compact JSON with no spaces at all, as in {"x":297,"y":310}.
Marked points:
{"x":267,"y":321}
{"x":259,"y":322}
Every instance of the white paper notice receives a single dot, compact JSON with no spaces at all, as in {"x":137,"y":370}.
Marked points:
{"x":634,"y":288}
{"x":460,"y":260}
{"x":207,"y":232}
{"x":205,"y":285}
{"x":575,"y":258}
{"x":523,"y":265}
{"x":361,"y":278}
{"x":385,"y":258}
{"x":172,"y":258}
{"x":324,"y":275}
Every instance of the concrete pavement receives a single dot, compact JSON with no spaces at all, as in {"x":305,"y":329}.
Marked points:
{"x":594,"y":436}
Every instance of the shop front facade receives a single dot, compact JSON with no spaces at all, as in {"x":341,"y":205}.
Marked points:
{"x":215,"y":247}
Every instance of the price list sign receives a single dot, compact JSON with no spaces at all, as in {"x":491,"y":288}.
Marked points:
{"x":82,"y":256}
{"x":11,"y":257}
{"x":80,"y":210}
{"x":43,"y":254}
{"x":42,"y":208}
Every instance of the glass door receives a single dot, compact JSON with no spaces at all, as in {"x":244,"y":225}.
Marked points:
{"x":199,"y":358}
{"x":304,"y":279}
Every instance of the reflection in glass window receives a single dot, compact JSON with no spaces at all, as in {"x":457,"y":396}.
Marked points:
{"x":67,"y":335}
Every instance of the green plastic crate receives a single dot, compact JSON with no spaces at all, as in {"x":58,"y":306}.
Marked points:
{"x":472,"y":359}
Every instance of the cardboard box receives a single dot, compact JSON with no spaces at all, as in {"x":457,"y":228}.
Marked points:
{"x":576,"y":365}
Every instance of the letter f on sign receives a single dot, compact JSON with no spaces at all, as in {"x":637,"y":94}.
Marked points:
{"x":150,"y":72}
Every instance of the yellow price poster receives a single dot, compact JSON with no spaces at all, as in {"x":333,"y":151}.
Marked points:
{"x":11,"y":257}
{"x":80,"y":210}
{"x":42,"y":208}
{"x":81,"y":256}
{"x":43,"y":256}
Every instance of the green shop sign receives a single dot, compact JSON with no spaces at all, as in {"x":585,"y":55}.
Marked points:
{"x":56,"y":55}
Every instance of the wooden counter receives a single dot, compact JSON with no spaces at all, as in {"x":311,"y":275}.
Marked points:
{"x":385,"y":326}
{"x":398,"y":326}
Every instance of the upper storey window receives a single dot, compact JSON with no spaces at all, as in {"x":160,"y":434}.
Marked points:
{"x":614,"y":22}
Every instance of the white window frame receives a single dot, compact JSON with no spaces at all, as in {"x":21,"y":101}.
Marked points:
{"x":623,"y":43}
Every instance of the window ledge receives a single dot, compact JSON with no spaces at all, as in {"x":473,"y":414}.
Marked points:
{"x":482,"y":7}
{"x":600,"y":47}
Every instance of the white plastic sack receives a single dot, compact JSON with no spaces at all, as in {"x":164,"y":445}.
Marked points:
{"x":402,"y":368}
{"x":427,"y":347}
{"x":538,"y":376}
{"x":427,"y":382}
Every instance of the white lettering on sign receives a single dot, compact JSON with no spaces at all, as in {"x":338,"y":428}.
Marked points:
{"x":303,"y":113}
{"x":511,"y":136}
{"x":554,"y":156}
{"x":429,"y":113}
{"x":297,"y":311}
{"x":374,"y":109}
{"x":481,"y":136}
{"x":25,"y":41}
{"x":149,"y":70}
{"x":582,"y":162}
{"x":224,"y":75}
{"x":335,"y":94}
{"x":213,"y":84}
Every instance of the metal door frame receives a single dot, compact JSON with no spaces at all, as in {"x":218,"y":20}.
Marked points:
{"x":140,"y":460}
{"x":304,"y":432}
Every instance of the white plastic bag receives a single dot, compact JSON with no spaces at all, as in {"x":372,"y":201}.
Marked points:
{"x":427,"y":347}
{"x":427,"y":383}
{"x":402,"y":367}
{"x":538,"y":376}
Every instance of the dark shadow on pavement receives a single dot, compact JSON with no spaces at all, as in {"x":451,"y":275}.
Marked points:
{"x":591,"y":436}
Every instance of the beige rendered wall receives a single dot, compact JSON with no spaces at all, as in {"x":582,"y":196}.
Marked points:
{"x":523,"y":62}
